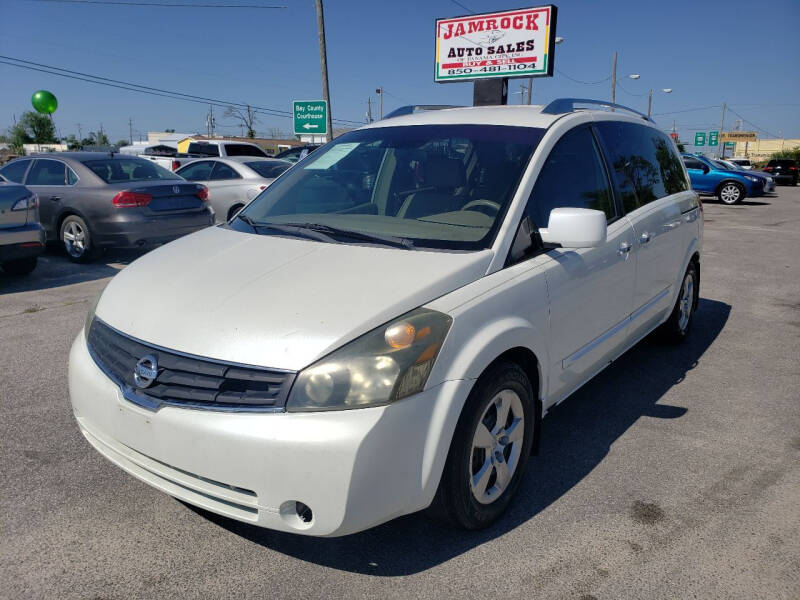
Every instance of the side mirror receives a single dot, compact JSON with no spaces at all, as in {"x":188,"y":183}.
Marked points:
{"x":705,"y":169}
{"x":575,"y":228}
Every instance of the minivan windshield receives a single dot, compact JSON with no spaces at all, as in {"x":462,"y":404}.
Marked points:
{"x":432,"y":186}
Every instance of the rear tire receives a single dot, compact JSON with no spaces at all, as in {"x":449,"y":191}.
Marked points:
{"x":679,"y":324}
{"x":77,"y":239}
{"x":731,"y":193}
{"x":489,"y":450}
{"x":22,"y":266}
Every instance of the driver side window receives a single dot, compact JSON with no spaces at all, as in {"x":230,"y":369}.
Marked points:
{"x":572,"y":176}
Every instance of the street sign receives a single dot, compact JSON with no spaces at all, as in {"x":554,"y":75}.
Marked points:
{"x":738,"y":136}
{"x":730,"y":145}
{"x":511,"y":43}
{"x":700,"y":138}
{"x":713,"y":138}
{"x":311,"y":117}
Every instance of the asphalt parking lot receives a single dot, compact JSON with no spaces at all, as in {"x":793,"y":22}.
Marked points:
{"x":675,"y":474}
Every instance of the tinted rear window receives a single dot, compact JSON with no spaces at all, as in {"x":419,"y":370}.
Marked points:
{"x":204,"y":149}
{"x":120,"y":170}
{"x":268,"y":168}
{"x":15,"y":170}
{"x":783,"y":162}
{"x":243,"y":150}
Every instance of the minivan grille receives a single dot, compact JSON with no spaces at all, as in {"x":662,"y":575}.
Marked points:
{"x":186,"y":380}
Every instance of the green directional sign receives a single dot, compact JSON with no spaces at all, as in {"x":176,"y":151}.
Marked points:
{"x":700,"y":138}
{"x":713,"y":138}
{"x":730,"y":145}
{"x":311,"y":118}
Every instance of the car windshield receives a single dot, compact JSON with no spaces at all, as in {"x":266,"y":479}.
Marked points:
{"x":123,"y":170}
{"x":433,"y":186}
{"x":723,"y":166}
{"x":269,"y":169}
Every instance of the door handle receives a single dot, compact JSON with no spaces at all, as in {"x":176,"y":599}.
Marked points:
{"x":624,"y":249}
{"x":55,"y":198}
{"x":644,"y":238}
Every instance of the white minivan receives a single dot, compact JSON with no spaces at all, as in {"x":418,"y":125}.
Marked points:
{"x":383,"y":328}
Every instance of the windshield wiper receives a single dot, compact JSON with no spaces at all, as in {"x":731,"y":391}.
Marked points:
{"x":288,"y":228}
{"x":386,"y":240}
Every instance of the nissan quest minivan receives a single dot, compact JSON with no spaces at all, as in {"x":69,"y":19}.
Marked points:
{"x":383,"y":329}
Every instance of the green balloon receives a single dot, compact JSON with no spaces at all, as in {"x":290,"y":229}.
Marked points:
{"x":44,"y":102}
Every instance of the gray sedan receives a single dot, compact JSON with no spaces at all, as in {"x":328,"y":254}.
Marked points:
{"x":233,"y":181}
{"x":92,"y":200}
{"x":21,"y":235}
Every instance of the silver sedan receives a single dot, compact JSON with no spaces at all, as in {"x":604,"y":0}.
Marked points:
{"x":233,"y":181}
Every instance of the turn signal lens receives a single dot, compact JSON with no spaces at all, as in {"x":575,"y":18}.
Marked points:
{"x":400,"y":335}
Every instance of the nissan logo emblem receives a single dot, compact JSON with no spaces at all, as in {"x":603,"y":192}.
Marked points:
{"x":145,"y":371}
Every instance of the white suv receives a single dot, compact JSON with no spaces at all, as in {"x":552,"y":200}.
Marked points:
{"x":383,"y":328}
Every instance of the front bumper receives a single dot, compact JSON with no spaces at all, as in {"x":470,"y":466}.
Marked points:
{"x":26,"y":241}
{"x":354,"y":469}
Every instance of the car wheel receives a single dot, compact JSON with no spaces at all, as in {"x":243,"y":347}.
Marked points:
{"x":731,"y":193}
{"x":233,"y":210}
{"x":77,"y":239}
{"x":489,"y":450}
{"x":677,"y":327}
{"x":22,"y":266}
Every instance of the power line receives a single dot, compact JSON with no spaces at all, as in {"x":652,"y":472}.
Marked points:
{"x":699,"y":108}
{"x":619,"y":85}
{"x":153,"y":91}
{"x":753,"y":124}
{"x":160,"y":4}
{"x":560,"y":72}
{"x":462,"y":6}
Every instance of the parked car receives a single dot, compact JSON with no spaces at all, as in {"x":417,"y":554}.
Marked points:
{"x":206,"y":149}
{"x":233,"y":182}
{"x":297,"y":153}
{"x":731,"y":187}
{"x":93,"y":200}
{"x":769,"y":182}
{"x":373,"y":336}
{"x":21,"y":234}
{"x":784,"y":170}
{"x":743,"y":164}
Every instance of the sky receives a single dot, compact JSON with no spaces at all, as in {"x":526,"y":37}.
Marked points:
{"x":706,"y":52}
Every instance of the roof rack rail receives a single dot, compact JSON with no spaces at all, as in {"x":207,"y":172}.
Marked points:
{"x":415,"y":108}
{"x":560,"y":106}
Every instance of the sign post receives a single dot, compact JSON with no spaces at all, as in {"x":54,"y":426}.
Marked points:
{"x":498,"y":45}
{"x":311,"y":118}
{"x":700,"y":138}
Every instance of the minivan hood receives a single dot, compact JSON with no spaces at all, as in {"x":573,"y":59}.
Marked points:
{"x":274,"y":301}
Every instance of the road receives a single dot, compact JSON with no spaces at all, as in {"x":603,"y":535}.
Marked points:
{"x":675,"y":474}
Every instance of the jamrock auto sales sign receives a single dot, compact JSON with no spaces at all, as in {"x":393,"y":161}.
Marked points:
{"x":512,"y":43}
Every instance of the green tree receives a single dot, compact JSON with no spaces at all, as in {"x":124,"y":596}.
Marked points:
{"x":793,"y":153}
{"x":72,"y":142}
{"x":33,"y":128}
{"x":681,"y":147}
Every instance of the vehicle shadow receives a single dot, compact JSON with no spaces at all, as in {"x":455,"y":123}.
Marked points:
{"x":54,"y":269}
{"x":576,"y":437}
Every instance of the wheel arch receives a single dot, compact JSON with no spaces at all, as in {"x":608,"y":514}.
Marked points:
{"x":724,"y":182}
{"x":63,"y":214}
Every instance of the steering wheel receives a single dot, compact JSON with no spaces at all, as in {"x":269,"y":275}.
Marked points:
{"x":494,"y":207}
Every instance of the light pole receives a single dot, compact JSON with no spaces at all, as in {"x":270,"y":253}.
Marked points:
{"x":323,"y":59}
{"x":650,"y":99}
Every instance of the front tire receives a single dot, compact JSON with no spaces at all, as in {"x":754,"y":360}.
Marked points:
{"x":489,"y":450}
{"x":677,"y":327}
{"x":77,"y":239}
{"x":22,"y":266}
{"x":731,"y":193}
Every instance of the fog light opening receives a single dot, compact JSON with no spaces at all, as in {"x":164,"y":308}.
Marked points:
{"x":304,"y":512}
{"x":296,"y":514}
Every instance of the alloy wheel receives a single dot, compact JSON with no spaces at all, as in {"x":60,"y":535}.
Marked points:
{"x":730,"y":194}
{"x":686,"y":301}
{"x":496,"y":447}
{"x":74,"y":239}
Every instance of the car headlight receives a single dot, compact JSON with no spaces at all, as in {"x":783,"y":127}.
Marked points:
{"x":90,"y":315}
{"x":384,"y":365}
{"x":751,"y":178}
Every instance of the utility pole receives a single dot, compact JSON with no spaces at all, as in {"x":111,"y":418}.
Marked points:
{"x":80,"y":131}
{"x":530,"y":88}
{"x":614,"y":81}
{"x":721,"y":153}
{"x":379,"y":91}
{"x":369,"y":110}
{"x":649,"y":102}
{"x":130,"y":130}
{"x":323,"y":62}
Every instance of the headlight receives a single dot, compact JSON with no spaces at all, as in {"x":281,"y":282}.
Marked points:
{"x":384,"y":365}
{"x":90,"y":315}
{"x":751,"y":178}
